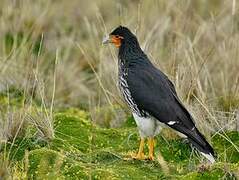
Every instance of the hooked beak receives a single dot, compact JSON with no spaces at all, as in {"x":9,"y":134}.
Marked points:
{"x":116,"y":40}
{"x":106,"y":39}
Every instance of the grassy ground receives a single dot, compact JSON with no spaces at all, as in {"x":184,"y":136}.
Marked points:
{"x":56,"y":78}
{"x":81,"y":150}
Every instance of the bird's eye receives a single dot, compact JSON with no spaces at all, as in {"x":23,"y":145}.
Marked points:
{"x":117,"y":36}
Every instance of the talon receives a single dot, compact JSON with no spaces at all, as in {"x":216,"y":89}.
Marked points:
{"x":134,"y":156}
{"x":151,"y":157}
{"x":139,"y":156}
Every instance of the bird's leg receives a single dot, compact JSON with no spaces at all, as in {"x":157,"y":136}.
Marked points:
{"x":140,"y":154}
{"x":151,"y":148}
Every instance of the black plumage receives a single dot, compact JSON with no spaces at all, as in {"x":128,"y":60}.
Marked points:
{"x":150,"y":93}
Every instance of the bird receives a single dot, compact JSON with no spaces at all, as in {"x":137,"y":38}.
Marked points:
{"x":151,"y":96}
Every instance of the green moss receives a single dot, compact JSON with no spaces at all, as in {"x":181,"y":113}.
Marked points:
{"x":219,"y":171}
{"x":74,"y":112}
{"x":175,"y":151}
{"x":47,"y":164}
{"x":81,"y":150}
{"x":227,"y":146}
{"x":72,"y":132}
{"x":77,"y":132}
{"x":128,"y":170}
{"x":130,"y":122}
{"x":212,"y":175}
{"x":20,"y":146}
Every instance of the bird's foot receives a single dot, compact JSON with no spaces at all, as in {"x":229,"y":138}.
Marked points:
{"x":151,"y":157}
{"x":151,"y":148}
{"x":135,"y":156}
{"x":139,"y":156}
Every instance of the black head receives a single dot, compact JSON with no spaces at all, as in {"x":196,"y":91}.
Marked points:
{"x":123,"y":32}
{"x":120,"y":36}
{"x":127,"y":43}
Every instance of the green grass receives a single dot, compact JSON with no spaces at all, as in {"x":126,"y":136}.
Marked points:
{"x":83,"y":150}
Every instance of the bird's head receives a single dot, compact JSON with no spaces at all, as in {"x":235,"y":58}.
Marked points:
{"x":118,"y":36}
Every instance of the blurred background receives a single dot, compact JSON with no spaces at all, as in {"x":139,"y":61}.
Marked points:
{"x":51,"y":52}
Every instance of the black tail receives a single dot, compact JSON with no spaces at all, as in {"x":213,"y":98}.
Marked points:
{"x":187,"y":127}
{"x":199,"y":141}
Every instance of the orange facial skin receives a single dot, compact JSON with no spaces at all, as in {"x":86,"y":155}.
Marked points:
{"x":116,"y":40}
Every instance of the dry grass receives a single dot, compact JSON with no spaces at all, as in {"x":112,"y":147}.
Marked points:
{"x":194,"y":42}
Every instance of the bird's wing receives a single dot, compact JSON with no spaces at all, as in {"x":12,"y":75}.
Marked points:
{"x":154,"y":93}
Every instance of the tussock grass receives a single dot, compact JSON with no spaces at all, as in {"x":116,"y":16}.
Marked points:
{"x":51,"y":58}
{"x":194,"y":42}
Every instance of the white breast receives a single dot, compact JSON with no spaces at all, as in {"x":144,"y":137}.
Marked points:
{"x":148,"y":127}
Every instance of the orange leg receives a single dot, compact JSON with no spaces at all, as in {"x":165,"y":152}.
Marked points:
{"x":140,"y":154}
{"x":151,"y":148}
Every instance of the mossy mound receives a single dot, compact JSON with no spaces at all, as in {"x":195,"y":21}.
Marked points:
{"x":227,"y":146}
{"x":81,"y":150}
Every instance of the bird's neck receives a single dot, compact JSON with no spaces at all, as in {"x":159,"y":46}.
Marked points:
{"x":131,"y":54}
{"x":128,"y":51}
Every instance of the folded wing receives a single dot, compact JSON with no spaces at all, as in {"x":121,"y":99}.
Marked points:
{"x":154,"y":93}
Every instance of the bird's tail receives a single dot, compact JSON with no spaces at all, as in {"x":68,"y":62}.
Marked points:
{"x":199,"y":141}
